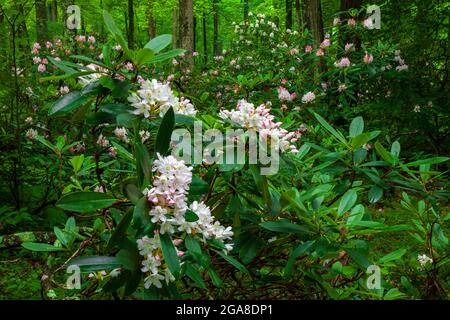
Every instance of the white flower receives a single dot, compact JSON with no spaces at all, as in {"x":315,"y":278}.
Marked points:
{"x":260,"y":120}
{"x":153,"y":279}
{"x":115,"y":272}
{"x":99,"y":189}
{"x":308,"y":97}
{"x":145,"y":135}
{"x":29,"y":120}
{"x":424,"y":259}
{"x":152,"y":97}
{"x":121,"y":134}
{"x":64,"y":90}
{"x":102,"y":141}
{"x":31,"y":134}
{"x":343,"y":63}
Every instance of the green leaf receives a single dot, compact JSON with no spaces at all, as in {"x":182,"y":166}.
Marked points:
{"x":395,"y":255}
{"x":383,"y":153}
{"x":285,"y":227}
{"x":165,"y":132}
{"x":141,"y":212}
{"x":190,"y":216}
{"x":192,"y":244}
{"x":359,"y":258}
{"x":159,"y":43}
{"x":356,"y":214}
{"x":130,"y":259}
{"x":133,"y":193}
{"x":198,"y":186}
{"x":375,"y":194}
{"x":170,"y":254}
{"x":119,"y":233}
{"x":429,"y":161}
{"x":89,"y":60}
{"x":67,"y":103}
{"x":395,"y":149}
{"x":61,"y":65}
{"x":115,"y":31}
{"x":166,"y":55}
{"x":356,"y":127}
{"x":214,"y":277}
{"x":233,"y":262}
{"x":143,"y":166}
{"x":60,"y":235}
{"x":330,"y":129}
{"x":95,"y":263}
{"x":144,"y":56}
{"x":121,"y":151}
{"x":347,"y":201}
{"x":85,"y":201}
{"x":33,"y":246}
{"x":301,"y":249}
{"x":192,"y":272}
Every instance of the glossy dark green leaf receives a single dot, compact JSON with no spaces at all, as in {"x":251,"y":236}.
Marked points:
{"x":170,"y":254}
{"x":284,"y":226}
{"x":165,"y":132}
{"x":67,"y":103}
{"x":84,"y":201}
{"x":158,"y":43}
{"x":95,"y":263}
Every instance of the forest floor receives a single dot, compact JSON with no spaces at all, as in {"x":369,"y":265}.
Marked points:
{"x":20,"y":270}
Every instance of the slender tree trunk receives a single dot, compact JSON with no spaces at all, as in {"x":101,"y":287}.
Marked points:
{"x":41,"y":21}
{"x":151,"y":20}
{"x":205,"y":43}
{"x":312,"y":14}
{"x":216,"y":44}
{"x":298,"y":19}
{"x":54,"y":10}
{"x":289,"y":14}
{"x":187,"y":24}
{"x":195,"y":34}
{"x":131,"y":24}
{"x":175,"y":29}
{"x":349,"y":4}
{"x":245,"y":10}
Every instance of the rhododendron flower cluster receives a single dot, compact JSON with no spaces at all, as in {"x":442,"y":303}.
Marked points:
{"x":168,"y":200}
{"x":156,"y":97}
{"x":343,"y":63}
{"x":121,"y":134}
{"x":260,"y":120}
{"x":284,"y":95}
{"x":308,"y":97}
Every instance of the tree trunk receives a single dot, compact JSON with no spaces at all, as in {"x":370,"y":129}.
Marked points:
{"x":205,"y":43}
{"x":41,"y":21}
{"x":131,"y":24}
{"x":175,"y":29}
{"x":216,"y":44}
{"x":195,"y":34}
{"x":151,"y":20}
{"x":349,"y":4}
{"x":312,"y":15}
{"x":187,"y":24}
{"x":54,"y":10}
{"x":289,"y":14}
{"x":245,"y":10}
{"x":298,"y":16}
